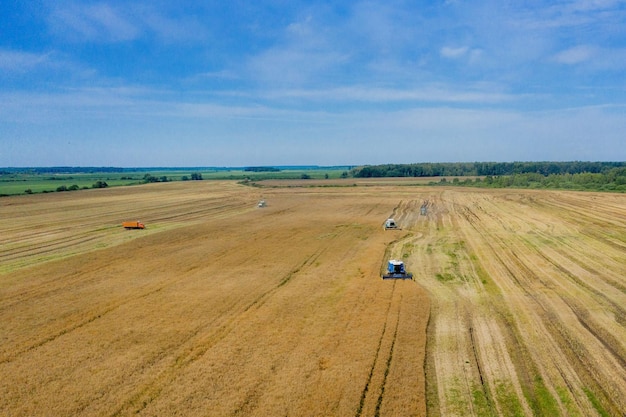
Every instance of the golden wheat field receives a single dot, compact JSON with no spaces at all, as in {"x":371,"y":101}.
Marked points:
{"x":221,"y":308}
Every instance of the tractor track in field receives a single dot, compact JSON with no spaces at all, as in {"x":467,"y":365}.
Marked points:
{"x":248,"y":402}
{"x":203,"y":339}
{"x":373,"y":392}
{"x":519,"y":269}
{"x":34,"y":294}
{"x":388,"y":362}
{"x":610,"y":343}
{"x":476,"y":360}
{"x":54,"y":245}
{"x":366,"y":388}
{"x":186,"y":355}
{"x":405,"y":211}
{"x":81,"y":228}
{"x":192,"y":215}
{"x":478,"y":372}
{"x":579,"y":356}
{"x":511,"y":263}
{"x":76,"y":280}
{"x":617,"y":309}
{"x":50,"y":338}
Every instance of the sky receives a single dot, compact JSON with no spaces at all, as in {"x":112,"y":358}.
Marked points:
{"x":234,"y":83}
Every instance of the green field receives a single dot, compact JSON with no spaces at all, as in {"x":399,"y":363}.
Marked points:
{"x":24,"y":182}
{"x":611,"y":177}
{"x":19,"y":183}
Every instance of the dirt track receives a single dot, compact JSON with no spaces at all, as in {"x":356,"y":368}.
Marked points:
{"x":221,"y":308}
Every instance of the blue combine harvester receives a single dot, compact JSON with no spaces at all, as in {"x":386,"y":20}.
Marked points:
{"x":396,"y":270}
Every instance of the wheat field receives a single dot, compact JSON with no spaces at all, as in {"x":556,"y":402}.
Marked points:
{"x":220,"y":308}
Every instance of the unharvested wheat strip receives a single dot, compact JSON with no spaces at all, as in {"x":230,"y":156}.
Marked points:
{"x":405,"y":388}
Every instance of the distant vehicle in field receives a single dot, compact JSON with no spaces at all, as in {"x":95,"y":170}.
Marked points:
{"x":390,"y":224}
{"x":262,"y":203}
{"x":396,"y":270}
{"x":133,"y":225}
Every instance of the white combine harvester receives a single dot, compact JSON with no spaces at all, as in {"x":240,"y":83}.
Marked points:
{"x":390,"y":224}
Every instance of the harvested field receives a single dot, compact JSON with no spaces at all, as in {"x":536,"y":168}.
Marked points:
{"x":222,"y":308}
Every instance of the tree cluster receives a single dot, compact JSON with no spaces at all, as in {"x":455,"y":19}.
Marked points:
{"x":195,"y":176}
{"x":262,"y":169}
{"x":611,"y":180}
{"x":467,"y":169}
{"x":100,"y":184}
{"x":151,"y":178}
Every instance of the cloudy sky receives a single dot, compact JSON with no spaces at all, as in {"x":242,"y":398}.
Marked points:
{"x":286,"y":82}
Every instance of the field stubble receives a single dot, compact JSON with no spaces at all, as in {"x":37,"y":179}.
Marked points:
{"x":220,"y":308}
{"x":528,"y":301}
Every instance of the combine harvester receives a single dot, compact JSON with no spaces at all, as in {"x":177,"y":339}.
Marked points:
{"x":390,"y":224}
{"x":396,"y":270}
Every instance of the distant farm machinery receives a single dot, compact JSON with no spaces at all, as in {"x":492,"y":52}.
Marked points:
{"x":133,"y":225}
{"x":390,"y":224}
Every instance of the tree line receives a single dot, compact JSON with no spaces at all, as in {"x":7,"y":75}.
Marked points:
{"x":613,"y":180}
{"x":473,"y":169}
{"x":92,"y":170}
{"x":589,"y":176}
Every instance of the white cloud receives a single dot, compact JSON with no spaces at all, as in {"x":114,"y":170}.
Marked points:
{"x":214,"y":75}
{"x":434,"y":132}
{"x":445,"y":70}
{"x":593,"y":57}
{"x":305,"y":53}
{"x":168,"y":28}
{"x":575,"y":55}
{"x":592,"y":5}
{"x":290,"y":66}
{"x":92,"y":22}
{"x":450,"y":52}
{"x":464,"y":53}
{"x":18,"y":61}
{"x":363,"y":94}
{"x":106,"y":22}
{"x":383,"y":27}
{"x":301,"y":28}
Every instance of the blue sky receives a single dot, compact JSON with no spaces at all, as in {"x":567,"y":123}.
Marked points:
{"x":285,"y":82}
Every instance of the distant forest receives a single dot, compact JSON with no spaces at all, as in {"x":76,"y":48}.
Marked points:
{"x":93,"y":170}
{"x":473,"y":169}
{"x":576,"y":175}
